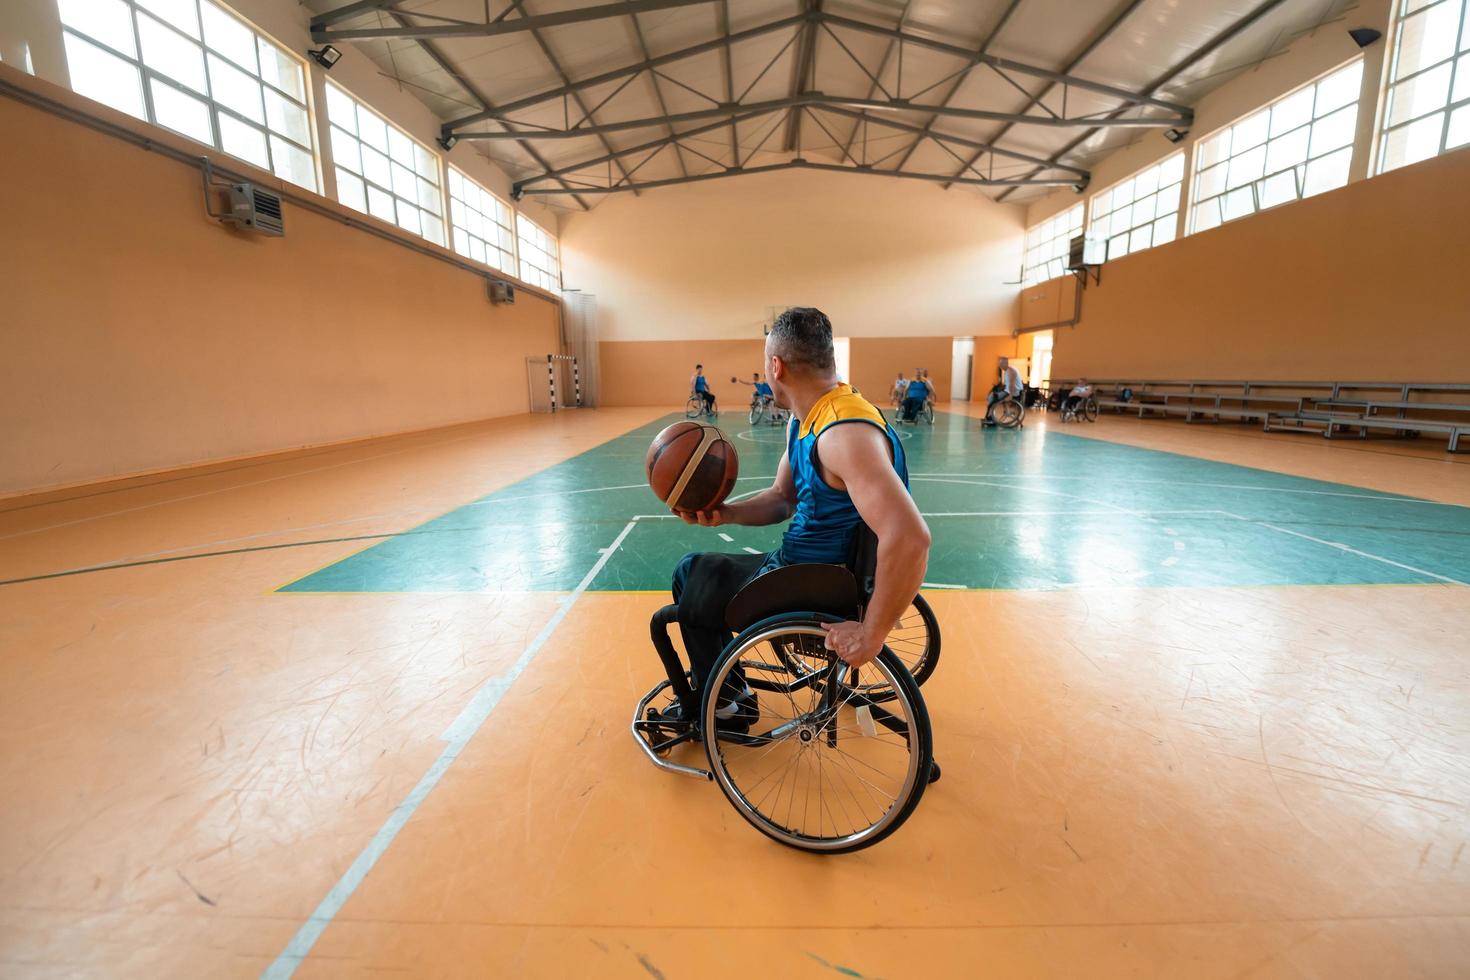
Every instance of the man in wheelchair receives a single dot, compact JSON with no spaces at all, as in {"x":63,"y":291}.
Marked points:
{"x":915,"y":395}
{"x":859,"y":478}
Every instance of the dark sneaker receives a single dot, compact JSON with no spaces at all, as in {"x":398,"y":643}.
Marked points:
{"x":735,"y":716}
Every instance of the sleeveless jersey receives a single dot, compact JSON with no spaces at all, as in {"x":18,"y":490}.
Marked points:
{"x":822,"y":528}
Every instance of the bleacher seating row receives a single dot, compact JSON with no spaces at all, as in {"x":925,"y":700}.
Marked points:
{"x":1404,"y":409}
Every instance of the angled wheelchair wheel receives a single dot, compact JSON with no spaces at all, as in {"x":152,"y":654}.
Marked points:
{"x":757,"y":412}
{"x":1089,"y":409}
{"x":1009,"y":413}
{"x":929,"y":412}
{"x":801,"y":751}
{"x":914,"y":640}
{"x":693,"y":407}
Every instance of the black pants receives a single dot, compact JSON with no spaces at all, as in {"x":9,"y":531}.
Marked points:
{"x":704,"y":584}
{"x":1070,"y":405}
{"x":709,"y":400}
{"x":912,"y":407}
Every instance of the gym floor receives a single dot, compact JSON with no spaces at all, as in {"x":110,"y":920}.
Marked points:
{"x":1203,"y":709}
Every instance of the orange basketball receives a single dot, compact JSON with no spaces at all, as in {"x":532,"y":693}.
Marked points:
{"x":691,"y":466}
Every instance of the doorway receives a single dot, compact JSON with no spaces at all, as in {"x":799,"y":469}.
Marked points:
{"x":960,"y":368}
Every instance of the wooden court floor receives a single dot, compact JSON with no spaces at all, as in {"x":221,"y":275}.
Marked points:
{"x":1203,"y":708}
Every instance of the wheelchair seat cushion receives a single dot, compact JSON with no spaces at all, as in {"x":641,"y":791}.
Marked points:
{"x":794,"y":588}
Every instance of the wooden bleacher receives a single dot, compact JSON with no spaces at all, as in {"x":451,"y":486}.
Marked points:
{"x":1334,"y":408}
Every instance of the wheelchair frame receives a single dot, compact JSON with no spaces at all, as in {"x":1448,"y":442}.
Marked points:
{"x":836,"y":685}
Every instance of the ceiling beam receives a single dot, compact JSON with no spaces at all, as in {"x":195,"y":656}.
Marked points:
{"x":800,"y":72}
{"x":662,"y":141}
{"x":800,"y":164}
{"x":329,"y":17}
{"x":492,"y":28}
{"x":959,"y":82}
{"x":819,"y":99}
{"x":1194,"y":58}
{"x":1006,"y":64}
{"x":450,"y":69}
{"x":1093,"y":43}
{"x":980,"y":145}
{"x":550,"y":95}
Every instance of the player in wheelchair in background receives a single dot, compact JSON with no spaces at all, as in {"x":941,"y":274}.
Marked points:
{"x":763,"y":401}
{"x":918,"y":399}
{"x":811,"y":671}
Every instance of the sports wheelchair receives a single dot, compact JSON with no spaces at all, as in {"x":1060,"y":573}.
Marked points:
{"x":825,"y":758}
{"x":1085,"y":408}
{"x":924,"y":413}
{"x":1009,"y":412}
{"x":695,"y":407}
{"x":765,"y":407}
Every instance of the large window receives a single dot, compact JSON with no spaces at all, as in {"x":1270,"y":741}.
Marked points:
{"x":382,"y":171}
{"x":482,"y":223}
{"x":538,"y":254}
{"x":193,"y":67}
{"x":1428,"y":106}
{"x":1299,"y":145}
{"x":1140,"y":212}
{"x":1047,"y":244}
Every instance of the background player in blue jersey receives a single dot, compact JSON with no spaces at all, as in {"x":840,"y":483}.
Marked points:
{"x":860,"y":476}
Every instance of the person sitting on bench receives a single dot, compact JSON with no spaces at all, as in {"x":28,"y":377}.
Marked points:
{"x":861,"y":476}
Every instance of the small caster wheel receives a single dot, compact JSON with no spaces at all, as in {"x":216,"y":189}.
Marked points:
{"x":933,"y":772}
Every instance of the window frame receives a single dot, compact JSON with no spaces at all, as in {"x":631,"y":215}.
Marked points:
{"x":1106,"y":239}
{"x":148,"y":76}
{"x":1045,"y":249}
{"x":554,"y":273}
{"x":1297,"y":169}
{"x":1458,"y":61}
{"x":370,"y":184}
{"x":512,"y":266}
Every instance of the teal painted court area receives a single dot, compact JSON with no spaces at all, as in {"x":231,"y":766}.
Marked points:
{"x":1035,"y":509}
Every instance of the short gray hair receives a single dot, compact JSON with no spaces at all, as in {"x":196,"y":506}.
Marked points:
{"x":802,"y":337}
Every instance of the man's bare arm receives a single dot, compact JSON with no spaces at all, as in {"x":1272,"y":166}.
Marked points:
{"x":771,"y":506}
{"x":857,"y":455}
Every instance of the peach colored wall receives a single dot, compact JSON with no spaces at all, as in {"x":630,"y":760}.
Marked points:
{"x":876,"y":360}
{"x":139,"y":334}
{"x":657,"y":372}
{"x":882,"y":257}
{"x":1362,"y":283}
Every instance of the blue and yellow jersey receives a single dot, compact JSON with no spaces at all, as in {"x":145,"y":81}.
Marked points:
{"x":822,"y":528}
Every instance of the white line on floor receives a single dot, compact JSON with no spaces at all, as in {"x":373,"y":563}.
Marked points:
{"x":940,"y":585}
{"x":1188,"y":483}
{"x":753,"y":551}
{"x":1352,"y":551}
{"x":458,"y":735}
{"x":726,"y":537}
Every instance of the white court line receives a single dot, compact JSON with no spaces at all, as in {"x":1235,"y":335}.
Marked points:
{"x":1002,"y":486}
{"x":1058,"y":513}
{"x":1189,"y":483}
{"x":1352,"y":551}
{"x":940,"y":585}
{"x":726,"y":538}
{"x":458,"y":735}
{"x":752,"y":551}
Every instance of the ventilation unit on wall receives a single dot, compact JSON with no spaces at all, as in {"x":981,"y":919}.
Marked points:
{"x":255,"y":209}
{"x":251,"y":208}
{"x":501,"y":293}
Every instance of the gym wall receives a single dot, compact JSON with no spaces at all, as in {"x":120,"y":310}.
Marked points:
{"x":142,"y":335}
{"x":901,"y":267}
{"x":877,"y":360}
{"x":1363,"y":283}
{"x":643,"y":372}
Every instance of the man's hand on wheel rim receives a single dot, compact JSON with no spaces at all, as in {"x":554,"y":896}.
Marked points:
{"x":852,"y":642}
